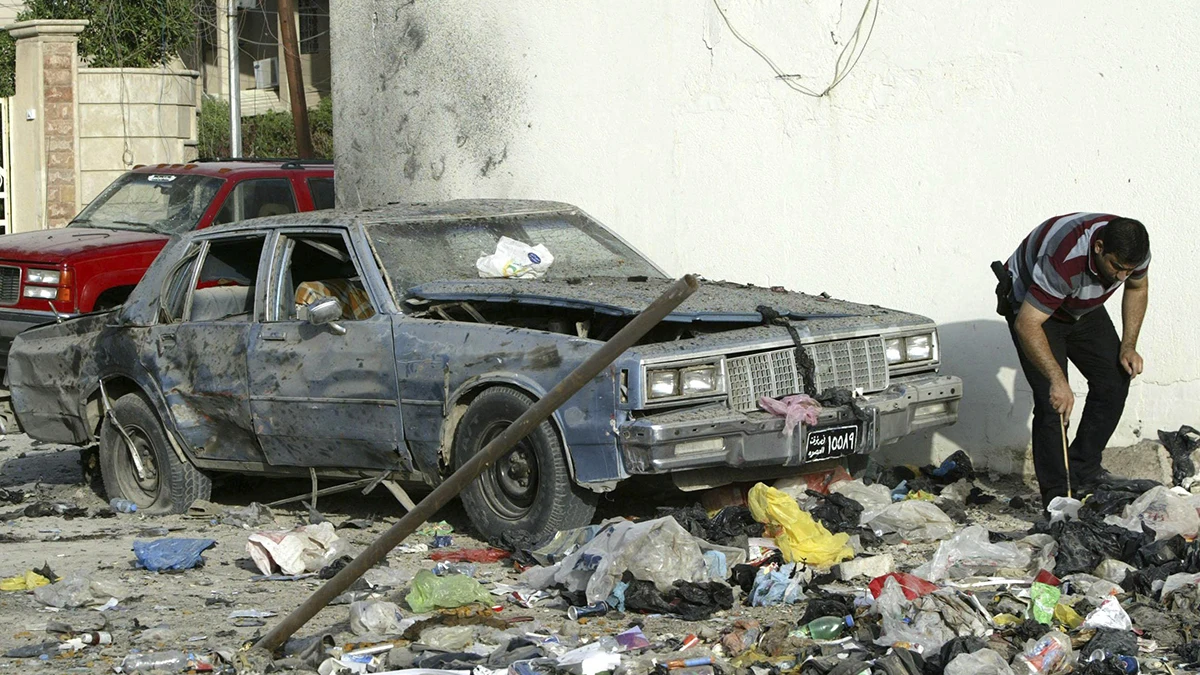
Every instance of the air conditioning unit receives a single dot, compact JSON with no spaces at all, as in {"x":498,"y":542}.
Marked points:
{"x":266,"y":73}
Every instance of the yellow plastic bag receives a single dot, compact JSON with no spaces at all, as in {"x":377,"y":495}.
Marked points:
{"x":802,"y":538}
{"x":26,"y":582}
{"x":1067,"y":616}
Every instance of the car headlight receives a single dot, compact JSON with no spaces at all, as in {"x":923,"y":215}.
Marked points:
{"x":918,"y":347}
{"x":47,"y":277}
{"x":662,"y":383}
{"x":43,"y":292}
{"x":699,"y":380}
{"x":895,"y":351}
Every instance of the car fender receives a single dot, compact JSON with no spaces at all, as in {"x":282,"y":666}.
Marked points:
{"x":537,"y":391}
{"x":140,"y":381}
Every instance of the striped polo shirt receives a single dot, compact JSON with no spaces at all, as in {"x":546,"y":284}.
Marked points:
{"x":1053,"y":268}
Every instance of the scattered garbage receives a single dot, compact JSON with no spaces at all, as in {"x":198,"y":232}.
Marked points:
{"x":304,"y":549}
{"x":894,"y":570}
{"x":77,"y":590}
{"x":430,"y":592}
{"x":24,"y":582}
{"x":122,"y":505}
{"x":375,"y":617}
{"x":800,"y":538}
{"x":171,"y":554}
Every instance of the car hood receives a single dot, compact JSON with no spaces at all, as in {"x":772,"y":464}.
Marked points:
{"x":55,"y":246}
{"x":715,"y":301}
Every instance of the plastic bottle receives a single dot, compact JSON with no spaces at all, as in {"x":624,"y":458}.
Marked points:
{"x":122,"y":505}
{"x":827,"y":627}
{"x":172,"y":661}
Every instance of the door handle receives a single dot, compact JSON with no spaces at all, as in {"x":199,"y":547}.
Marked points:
{"x":273,"y":335}
{"x":165,"y":341}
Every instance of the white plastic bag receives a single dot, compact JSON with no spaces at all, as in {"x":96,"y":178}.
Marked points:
{"x":1063,"y":508}
{"x":375,"y":617}
{"x":1165,"y":511}
{"x":913,"y":519}
{"x":874,"y":498}
{"x":514,"y":259}
{"x":970,"y":552}
{"x":657,"y":550}
{"x":304,"y":549}
{"x":982,"y":662}
{"x":1109,"y":614}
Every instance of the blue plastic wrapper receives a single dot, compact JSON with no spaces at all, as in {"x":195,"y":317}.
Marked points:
{"x":171,"y":554}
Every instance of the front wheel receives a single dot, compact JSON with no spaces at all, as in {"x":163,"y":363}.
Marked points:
{"x":529,"y":490}
{"x":164,"y":484}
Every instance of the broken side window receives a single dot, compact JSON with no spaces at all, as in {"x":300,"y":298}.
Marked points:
{"x":317,"y":266}
{"x":224,"y":288}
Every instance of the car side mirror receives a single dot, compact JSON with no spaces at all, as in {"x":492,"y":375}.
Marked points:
{"x":326,"y":311}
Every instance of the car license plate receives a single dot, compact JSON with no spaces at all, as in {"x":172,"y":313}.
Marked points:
{"x":829,"y":443}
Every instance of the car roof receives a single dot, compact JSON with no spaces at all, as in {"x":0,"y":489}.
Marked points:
{"x":225,"y":168}
{"x":422,"y":212}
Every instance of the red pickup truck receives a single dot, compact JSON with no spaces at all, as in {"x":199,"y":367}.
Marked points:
{"x":96,"y":260}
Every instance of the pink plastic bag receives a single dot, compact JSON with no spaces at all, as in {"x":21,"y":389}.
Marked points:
{"x":796,"y":410}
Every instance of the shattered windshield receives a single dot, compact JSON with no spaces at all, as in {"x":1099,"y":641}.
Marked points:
{"x":416,"y":253}
{"x":164,"y":203}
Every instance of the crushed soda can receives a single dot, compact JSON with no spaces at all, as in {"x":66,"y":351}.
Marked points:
{"x":595,"y":609}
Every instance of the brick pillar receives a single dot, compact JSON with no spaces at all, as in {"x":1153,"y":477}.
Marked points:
{"x":45,"y":135}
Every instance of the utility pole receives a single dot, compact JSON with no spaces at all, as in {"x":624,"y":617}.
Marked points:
{"x":291,"y":54}
{"x":235,"y":84}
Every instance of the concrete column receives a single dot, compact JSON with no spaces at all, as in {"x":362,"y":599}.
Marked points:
{"x":221,"y":88}
{"x":45,"y":121}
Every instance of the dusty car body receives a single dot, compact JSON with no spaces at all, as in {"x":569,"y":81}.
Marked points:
{"x":226,"y":346}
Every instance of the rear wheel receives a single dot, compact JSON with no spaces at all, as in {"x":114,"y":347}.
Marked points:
{"x":164,"y":484}
{"x":529,"y":490}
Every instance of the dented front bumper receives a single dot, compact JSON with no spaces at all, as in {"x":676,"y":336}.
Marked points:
{"x":717,"y":436}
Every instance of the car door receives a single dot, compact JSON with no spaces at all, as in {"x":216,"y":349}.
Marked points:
{"x":207,"y":307}
{"x":324,"y":395}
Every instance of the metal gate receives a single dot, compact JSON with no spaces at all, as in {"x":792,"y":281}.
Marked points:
{"x":5,"y":202}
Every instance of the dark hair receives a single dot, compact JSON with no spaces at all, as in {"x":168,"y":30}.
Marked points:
{"x":1127,"y":239}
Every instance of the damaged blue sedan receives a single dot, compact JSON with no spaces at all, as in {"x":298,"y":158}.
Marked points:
{"x":365,"y":346}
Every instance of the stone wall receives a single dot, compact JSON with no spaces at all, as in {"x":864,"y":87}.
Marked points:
{"x":130,"y":116}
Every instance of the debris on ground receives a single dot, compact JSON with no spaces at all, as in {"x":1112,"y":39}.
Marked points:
{"x":902,"y":570}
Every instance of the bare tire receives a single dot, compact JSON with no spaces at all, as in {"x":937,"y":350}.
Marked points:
{"x":530,"y":489}
{"x":166,"y":484}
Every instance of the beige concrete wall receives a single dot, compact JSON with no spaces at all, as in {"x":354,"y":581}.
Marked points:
{"x":44,"y":176}
{"x":131,"y":116}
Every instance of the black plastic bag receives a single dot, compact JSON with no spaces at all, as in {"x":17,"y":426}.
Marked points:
{"x":1112,"y":641}
{"x":826,"y":604}
{"x":836,"y":512}
{"x":969,"y":644}
{"x":952,"y":469}
{"x":688,"y":600}
{"x":1181,"y":444}
{"x":724,"y":528}
{"x":1190,"y":652}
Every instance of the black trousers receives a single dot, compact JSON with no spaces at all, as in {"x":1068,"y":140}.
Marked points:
{"x":1091,"y":343}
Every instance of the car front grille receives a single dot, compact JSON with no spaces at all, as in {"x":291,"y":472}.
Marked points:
{"x":859,"y":363}
{"x":10,"y":285}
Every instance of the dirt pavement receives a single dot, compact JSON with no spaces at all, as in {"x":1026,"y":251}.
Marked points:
{"x":193,"y":607}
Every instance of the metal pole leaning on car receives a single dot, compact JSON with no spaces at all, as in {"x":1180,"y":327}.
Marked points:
{"x":449,"y":488}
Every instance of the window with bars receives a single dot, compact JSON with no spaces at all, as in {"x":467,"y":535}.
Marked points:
{"x":310,"y":26}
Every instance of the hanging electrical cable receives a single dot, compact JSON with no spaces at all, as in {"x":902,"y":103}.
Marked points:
{"x":851,"y":52}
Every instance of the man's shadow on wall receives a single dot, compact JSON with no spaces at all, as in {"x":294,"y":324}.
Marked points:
{"x":993,"y":425}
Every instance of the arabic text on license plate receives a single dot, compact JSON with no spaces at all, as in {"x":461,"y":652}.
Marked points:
{"x":830,"y":443}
